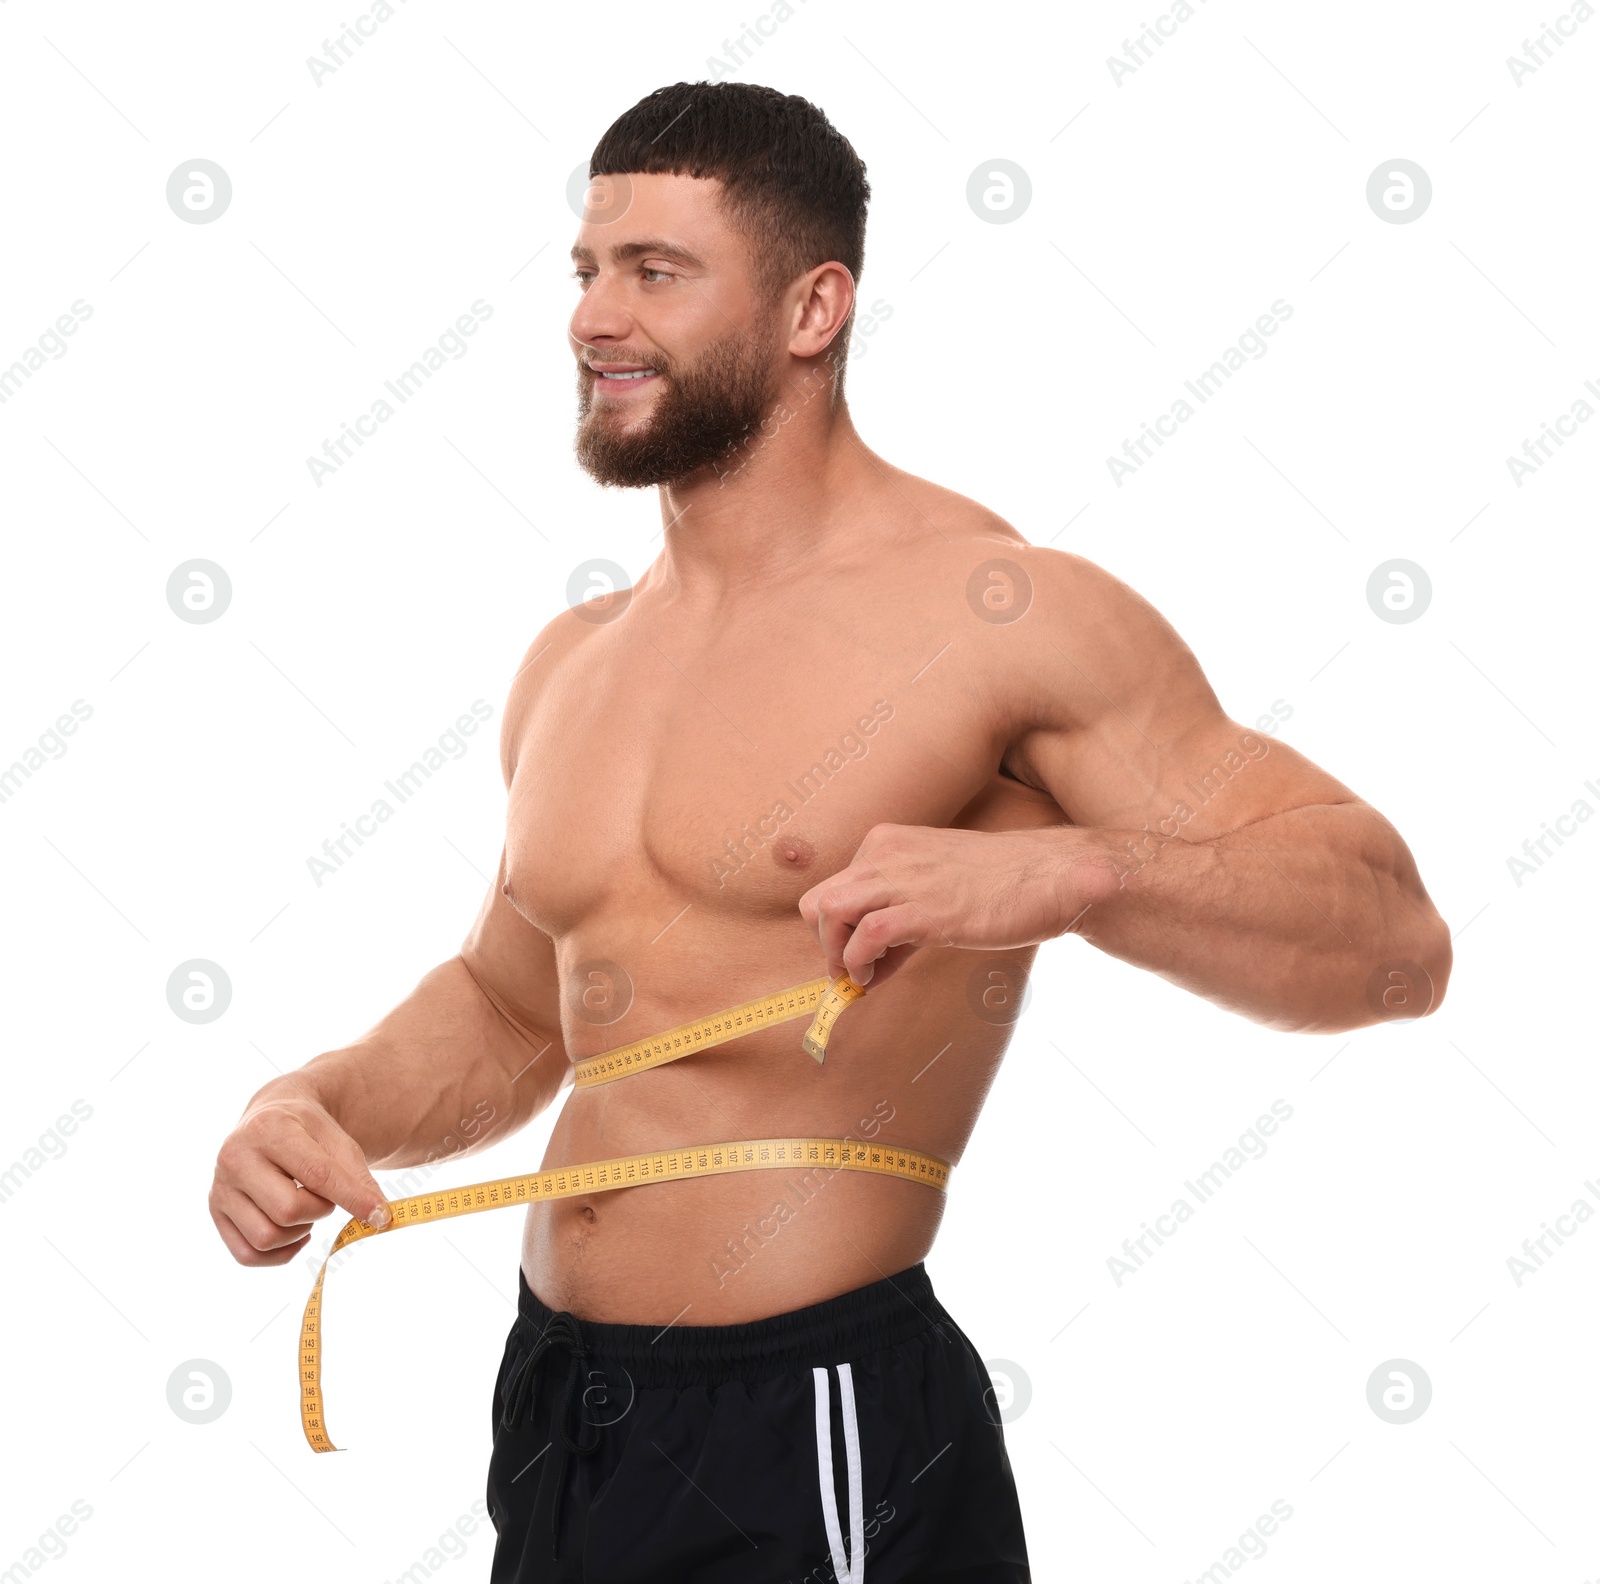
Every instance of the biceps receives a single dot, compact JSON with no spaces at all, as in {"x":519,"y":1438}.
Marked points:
{"x":1127,"y":731}
{"x":1203,"y":776}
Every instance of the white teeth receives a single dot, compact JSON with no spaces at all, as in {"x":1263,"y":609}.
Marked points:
{"x":636,"y":374}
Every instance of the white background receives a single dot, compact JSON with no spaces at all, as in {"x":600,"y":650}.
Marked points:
{"x":1165,"y":1413}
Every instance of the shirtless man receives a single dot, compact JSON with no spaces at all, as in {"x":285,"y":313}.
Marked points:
{"x":847,"y":721}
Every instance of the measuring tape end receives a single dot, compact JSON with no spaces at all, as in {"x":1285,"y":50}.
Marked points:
{"x":834,"y":1000}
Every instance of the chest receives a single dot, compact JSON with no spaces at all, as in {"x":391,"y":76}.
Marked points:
{"x":731,"y":776}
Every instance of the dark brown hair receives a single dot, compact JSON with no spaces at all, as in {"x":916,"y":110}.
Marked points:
{"x":791,"y":182}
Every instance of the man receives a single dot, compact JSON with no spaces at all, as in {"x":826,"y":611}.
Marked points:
{"x":847,"y":721}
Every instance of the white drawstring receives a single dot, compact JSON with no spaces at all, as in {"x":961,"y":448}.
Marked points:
{"x":851,"y":1570}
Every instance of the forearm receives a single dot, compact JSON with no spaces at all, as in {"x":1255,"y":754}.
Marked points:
{"x":1291,"y":920}
{"x":446,"y":1072}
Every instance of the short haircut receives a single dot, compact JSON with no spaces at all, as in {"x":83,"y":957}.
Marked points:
{"x":791,"y":181}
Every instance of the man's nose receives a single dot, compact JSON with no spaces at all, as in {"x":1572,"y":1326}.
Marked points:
{"x":601,"y":314}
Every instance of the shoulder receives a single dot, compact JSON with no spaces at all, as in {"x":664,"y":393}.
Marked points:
{"x":562,"y":637}
{"x":1004,"y":575}
{"x":1053,"y":638}
{"x":942,"y":515}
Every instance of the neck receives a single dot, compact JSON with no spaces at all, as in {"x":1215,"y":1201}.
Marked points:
{"x":771,"y":505}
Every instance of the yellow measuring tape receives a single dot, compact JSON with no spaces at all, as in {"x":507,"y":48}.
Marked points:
{"x":828,"y":997}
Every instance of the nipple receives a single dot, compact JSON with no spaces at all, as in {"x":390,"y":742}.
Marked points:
{"x":793,"y":852}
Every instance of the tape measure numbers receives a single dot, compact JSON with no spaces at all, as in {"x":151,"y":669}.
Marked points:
{"x":826,"y":999}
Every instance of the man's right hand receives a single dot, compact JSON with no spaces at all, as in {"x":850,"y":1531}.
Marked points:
{"x":287,"y":1164}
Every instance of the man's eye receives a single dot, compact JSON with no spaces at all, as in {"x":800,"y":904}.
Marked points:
{"x":584,"y":276}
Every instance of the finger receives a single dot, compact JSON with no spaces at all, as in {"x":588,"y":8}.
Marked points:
{"x":287,"y":1202}
{"x":273,"y":1191}
{"x":854,"y":873}
{"x":239,"y":1246}
{"x":233,"y":1238}
{"x":888,"y":965}
{"x":331,"y":1168}
{"x":877,"y":933}
{"x":247,"y":1162}
{"x":810,"y":903}
{"x":840,"y":909}
{"x":257,"y":1228}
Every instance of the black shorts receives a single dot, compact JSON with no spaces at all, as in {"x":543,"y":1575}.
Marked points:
{"x":854,"y":1439}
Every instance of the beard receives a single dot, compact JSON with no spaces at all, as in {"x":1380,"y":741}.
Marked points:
{"x":701,"y":413}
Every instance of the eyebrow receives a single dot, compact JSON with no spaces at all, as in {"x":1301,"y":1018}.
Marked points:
{"x":624,"y":252}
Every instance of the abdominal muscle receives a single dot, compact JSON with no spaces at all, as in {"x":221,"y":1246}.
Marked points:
{"x":728,"y":1249}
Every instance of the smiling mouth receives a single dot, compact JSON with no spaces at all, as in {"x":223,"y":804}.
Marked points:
{"x":621,"y":380}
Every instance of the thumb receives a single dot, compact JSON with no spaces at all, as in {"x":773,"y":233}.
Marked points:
{"x":364,"y":1190}
{"x":336,"y":1169}
{"x":378,"y":1214}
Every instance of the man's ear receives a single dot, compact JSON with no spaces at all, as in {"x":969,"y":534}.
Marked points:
{"x":825,"y":299}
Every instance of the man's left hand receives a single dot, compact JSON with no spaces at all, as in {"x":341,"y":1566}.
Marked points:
{"x":917,"y":885}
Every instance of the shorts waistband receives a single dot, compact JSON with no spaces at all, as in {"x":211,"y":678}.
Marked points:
{"x":882,"y":1314}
